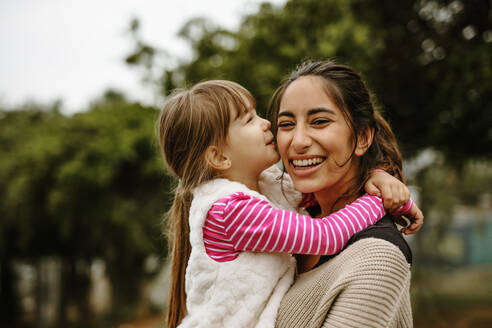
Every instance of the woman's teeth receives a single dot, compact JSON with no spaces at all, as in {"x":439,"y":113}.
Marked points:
{"x":307,"y":162}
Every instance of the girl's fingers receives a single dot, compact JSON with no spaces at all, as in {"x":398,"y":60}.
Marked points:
{"x":404,"y":194}
{"x":417,"y":218}
{"x":401,"y":221}
{"x":372,"y":190}
{"x":387,"y":198}
{"x":407,"y":194}
{"x":398,"y":197}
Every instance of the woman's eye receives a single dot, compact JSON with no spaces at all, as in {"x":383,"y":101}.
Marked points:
{"x":285,"y":124}
{"x":321,"y":121}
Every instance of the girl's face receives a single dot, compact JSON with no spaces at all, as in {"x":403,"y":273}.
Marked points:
{"x":314,"y":139}
{"x":250,"y":144}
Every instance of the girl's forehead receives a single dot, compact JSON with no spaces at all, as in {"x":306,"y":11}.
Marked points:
{"x":243,"y":107}
{"x":247,"y":103}
{"x":237,"y":112}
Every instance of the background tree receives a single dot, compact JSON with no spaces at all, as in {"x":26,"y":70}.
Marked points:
{"x":80,"y":188}
{"x":428,"y":61}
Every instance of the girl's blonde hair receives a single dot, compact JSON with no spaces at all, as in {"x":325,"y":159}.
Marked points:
{"x":190,"y":122}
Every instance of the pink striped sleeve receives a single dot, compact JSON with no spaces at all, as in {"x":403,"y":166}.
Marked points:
{"x":405,"y":209}
{"x":244,"y":223}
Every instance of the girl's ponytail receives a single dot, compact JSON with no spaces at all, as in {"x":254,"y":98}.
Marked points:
{"x":179,"y":237}
{"x":190,"y":122}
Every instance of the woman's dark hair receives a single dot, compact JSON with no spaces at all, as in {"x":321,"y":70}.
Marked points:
{"x":347,"y":90}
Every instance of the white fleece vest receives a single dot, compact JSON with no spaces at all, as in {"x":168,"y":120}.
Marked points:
{"x":247,"y":291}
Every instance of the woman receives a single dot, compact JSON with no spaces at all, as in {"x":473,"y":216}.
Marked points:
{"x":330,"y":137}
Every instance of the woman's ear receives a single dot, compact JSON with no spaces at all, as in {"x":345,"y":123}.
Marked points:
{"x":364,"y":141}
{"x":217,"y":159}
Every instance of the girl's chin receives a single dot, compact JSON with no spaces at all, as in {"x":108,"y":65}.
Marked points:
{"x":270,"y":164}
{"x":275,"y":160}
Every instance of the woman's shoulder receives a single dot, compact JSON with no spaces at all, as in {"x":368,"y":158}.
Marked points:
{"x":382,"y":233}
{"x":385,"y":229}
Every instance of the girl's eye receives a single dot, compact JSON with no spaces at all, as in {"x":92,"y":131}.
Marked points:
{"x":250,"y":119}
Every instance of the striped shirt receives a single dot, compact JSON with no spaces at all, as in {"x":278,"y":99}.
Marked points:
{"x":240,"y":222}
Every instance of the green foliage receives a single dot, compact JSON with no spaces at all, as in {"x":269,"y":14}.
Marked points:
{"x":427,"y":61}
{"x":30,"y":149}
{"x":476,"y":183}
{"x":82,"y":186}
{"x":271,"y":42}
{"x":432,"y":74}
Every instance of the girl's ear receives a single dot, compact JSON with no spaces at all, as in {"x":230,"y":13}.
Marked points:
{"x":364,"y":141}
{"x":217,"y":159}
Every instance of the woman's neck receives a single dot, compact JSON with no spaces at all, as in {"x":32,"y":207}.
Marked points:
{"x":332,"y":198}
{"x":332,"y":202}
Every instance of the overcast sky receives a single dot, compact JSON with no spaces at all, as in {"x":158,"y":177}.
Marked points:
{"x":74,"y":50}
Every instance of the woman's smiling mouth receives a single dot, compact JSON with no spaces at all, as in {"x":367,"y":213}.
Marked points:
{"x":307,"y":163}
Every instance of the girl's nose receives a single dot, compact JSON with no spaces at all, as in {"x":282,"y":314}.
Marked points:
{"x":266,"y":124}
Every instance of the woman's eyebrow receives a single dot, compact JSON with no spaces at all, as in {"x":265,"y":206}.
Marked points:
{"x":321,"y":110}
{"x":310,"y":112}
{"x":286,"y":113}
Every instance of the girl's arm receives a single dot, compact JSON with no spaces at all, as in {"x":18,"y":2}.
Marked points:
{"x":241,"y":222}
{"x":395,"y":194}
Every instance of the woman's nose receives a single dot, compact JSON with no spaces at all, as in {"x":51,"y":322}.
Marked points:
{"x":301,"y":140}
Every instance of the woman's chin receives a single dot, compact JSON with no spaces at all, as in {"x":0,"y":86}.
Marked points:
{"x":306,"y":187}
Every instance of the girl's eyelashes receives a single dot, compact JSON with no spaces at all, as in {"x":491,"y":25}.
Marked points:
{"x":250,"y":116}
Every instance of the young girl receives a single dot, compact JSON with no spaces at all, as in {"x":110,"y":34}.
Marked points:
{"x":232,"y":245}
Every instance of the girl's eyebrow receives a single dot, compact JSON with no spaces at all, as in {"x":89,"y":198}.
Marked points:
{"x":250,"y":111}
{"x":310,"y":112}
{"x":247,"y":115}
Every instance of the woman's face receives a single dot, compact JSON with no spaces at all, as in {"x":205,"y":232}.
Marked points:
{"x":314,"y":139}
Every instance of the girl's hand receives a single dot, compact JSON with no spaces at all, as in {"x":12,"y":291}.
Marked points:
{"x":393,"y":192}
{"x":416,"y":218}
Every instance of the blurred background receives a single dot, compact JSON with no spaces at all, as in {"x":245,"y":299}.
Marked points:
{"x":82,"y":184}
